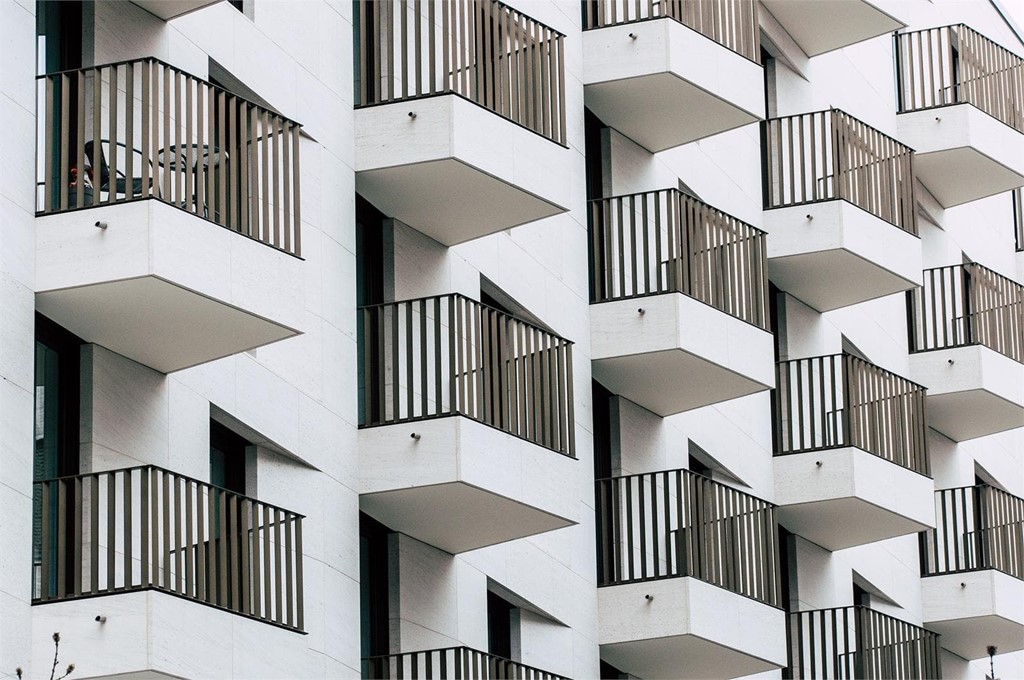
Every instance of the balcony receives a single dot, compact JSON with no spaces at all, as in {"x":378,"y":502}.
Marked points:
{"x":819,"y":27}
{"x":667,"y":73}
{"x":858,"y":642}
{"x":682,"y":559}
{"x":150,"y":240}
{"x":450,"y":663}
{"x":468,"y":429}
{"x":967,"y":345}
{"x":961,"y":107}
{"x":679,"y":311}
{"x":460,"y":116}
{"x":839,"y":209}
{"x":851,"y":455}
{"x":146,"y":528}
{"x":972,"y":566}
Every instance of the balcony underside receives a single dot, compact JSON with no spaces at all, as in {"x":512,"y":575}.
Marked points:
{"x":972,"y":391}
{"x":820,"y":27}
{"x":462,"y":485}
{"x":962,"y":153}
{"x":842,"y":256}
{"x":975,"y":609}
{"x":151,"y":286}
{"x":680,"y":354}
{"x":170,"y":9}
{"x":688,"y":630}
{"x":852,"y":498}
{"x":670,"y":85}
{"x":456,"y":171}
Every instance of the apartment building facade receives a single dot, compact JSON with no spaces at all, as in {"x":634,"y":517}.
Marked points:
{"x":477,"y":339}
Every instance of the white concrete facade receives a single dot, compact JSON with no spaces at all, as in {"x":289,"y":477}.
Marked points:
{"x":270,"y":347}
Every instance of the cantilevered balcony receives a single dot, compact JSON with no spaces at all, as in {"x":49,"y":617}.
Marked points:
{"x":468,"y":432}
{"x":450,"y":663}
{"x":668,"y":73}
{"x":679,"y":310}
{"x":851,"y":454}
{"x":839,"y":210}
{"x":961,"y":107}
{"x":460,"y":116}
{"x":168,"y":215}
{"x":681,"y":560}
{"x":144,"y":528}
{"x":967,"y":346}
{"x":858,"y":642}
{"x":819,"y":27}
{"x":172,"y":9}
{"x":972,"y":566}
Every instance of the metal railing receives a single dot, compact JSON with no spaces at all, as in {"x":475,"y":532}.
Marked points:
{"x":450,"y":663}
{"x":666,"y":241}
{"x":1018,"y":219}
{"x":857,"y":642}
{"x":676,"y":523}
{"x":841,"y":400}
{"x":967,"y":304}
{"x":148,"y":528}
{"x":731,"y":23}
{"x":956,"y":65}
{"x":977,"y":527}
{"x":482,"y":50}
{"x":828,"y":155}
{"x":448,"y":355}
{"x":144,"y":129}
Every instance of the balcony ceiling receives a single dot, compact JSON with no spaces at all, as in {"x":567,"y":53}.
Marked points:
{"x":819,"y":27}
{"x":170,"y":9}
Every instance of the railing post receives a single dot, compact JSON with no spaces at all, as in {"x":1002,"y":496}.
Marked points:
{"x":846,"y":373}
{"x":862,"y":640}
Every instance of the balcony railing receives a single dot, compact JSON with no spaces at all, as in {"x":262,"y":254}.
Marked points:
{"x":451,"y":663}
{"x":967,"y":304}
{"x":482,"y":50}
{"x":730,"y":23}
{"x":858,"y":642}
{"x":1018,"y":219}
{"x":977,"y":527}
{"x":830,"y":155}
{"x":957,"y":65}
{"x":450,"y":355}
{"x":665,"y":241}
{"x":840,"y":400}
{"x":147,"y":528}
{"x":144,"y":129}
{"x":677,"y":523}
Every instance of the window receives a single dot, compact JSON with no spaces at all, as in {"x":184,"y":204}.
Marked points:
{"x":227,"y":458}
{"x":500,"y":613}
{"x":373,"y":587}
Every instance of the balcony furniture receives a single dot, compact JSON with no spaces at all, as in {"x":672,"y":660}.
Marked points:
{"x":966,"y":328}
{"x":961,"y":107}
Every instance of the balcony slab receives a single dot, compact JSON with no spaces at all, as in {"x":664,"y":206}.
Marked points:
{"x":462,"y":485}
{"x":688,"y":629}
{"x":975,"y":609}
{"x":151,"y":634}
{"x":819,"y":27}
{"x":151,"y":286}
{"x":962,"y":153}
{"x":171,"y":9}
{"x":670,"y":85}
{"x":973,"y":391}
{"x":852,"y":498}
{"x":679,"y":354}
{"x":456,"y":171}
{"x":842,"y":255}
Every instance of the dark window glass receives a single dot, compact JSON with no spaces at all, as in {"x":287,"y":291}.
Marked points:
{"x":227,"y":458}
{"x":373,"y":588}
{"x":499,"y":626}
